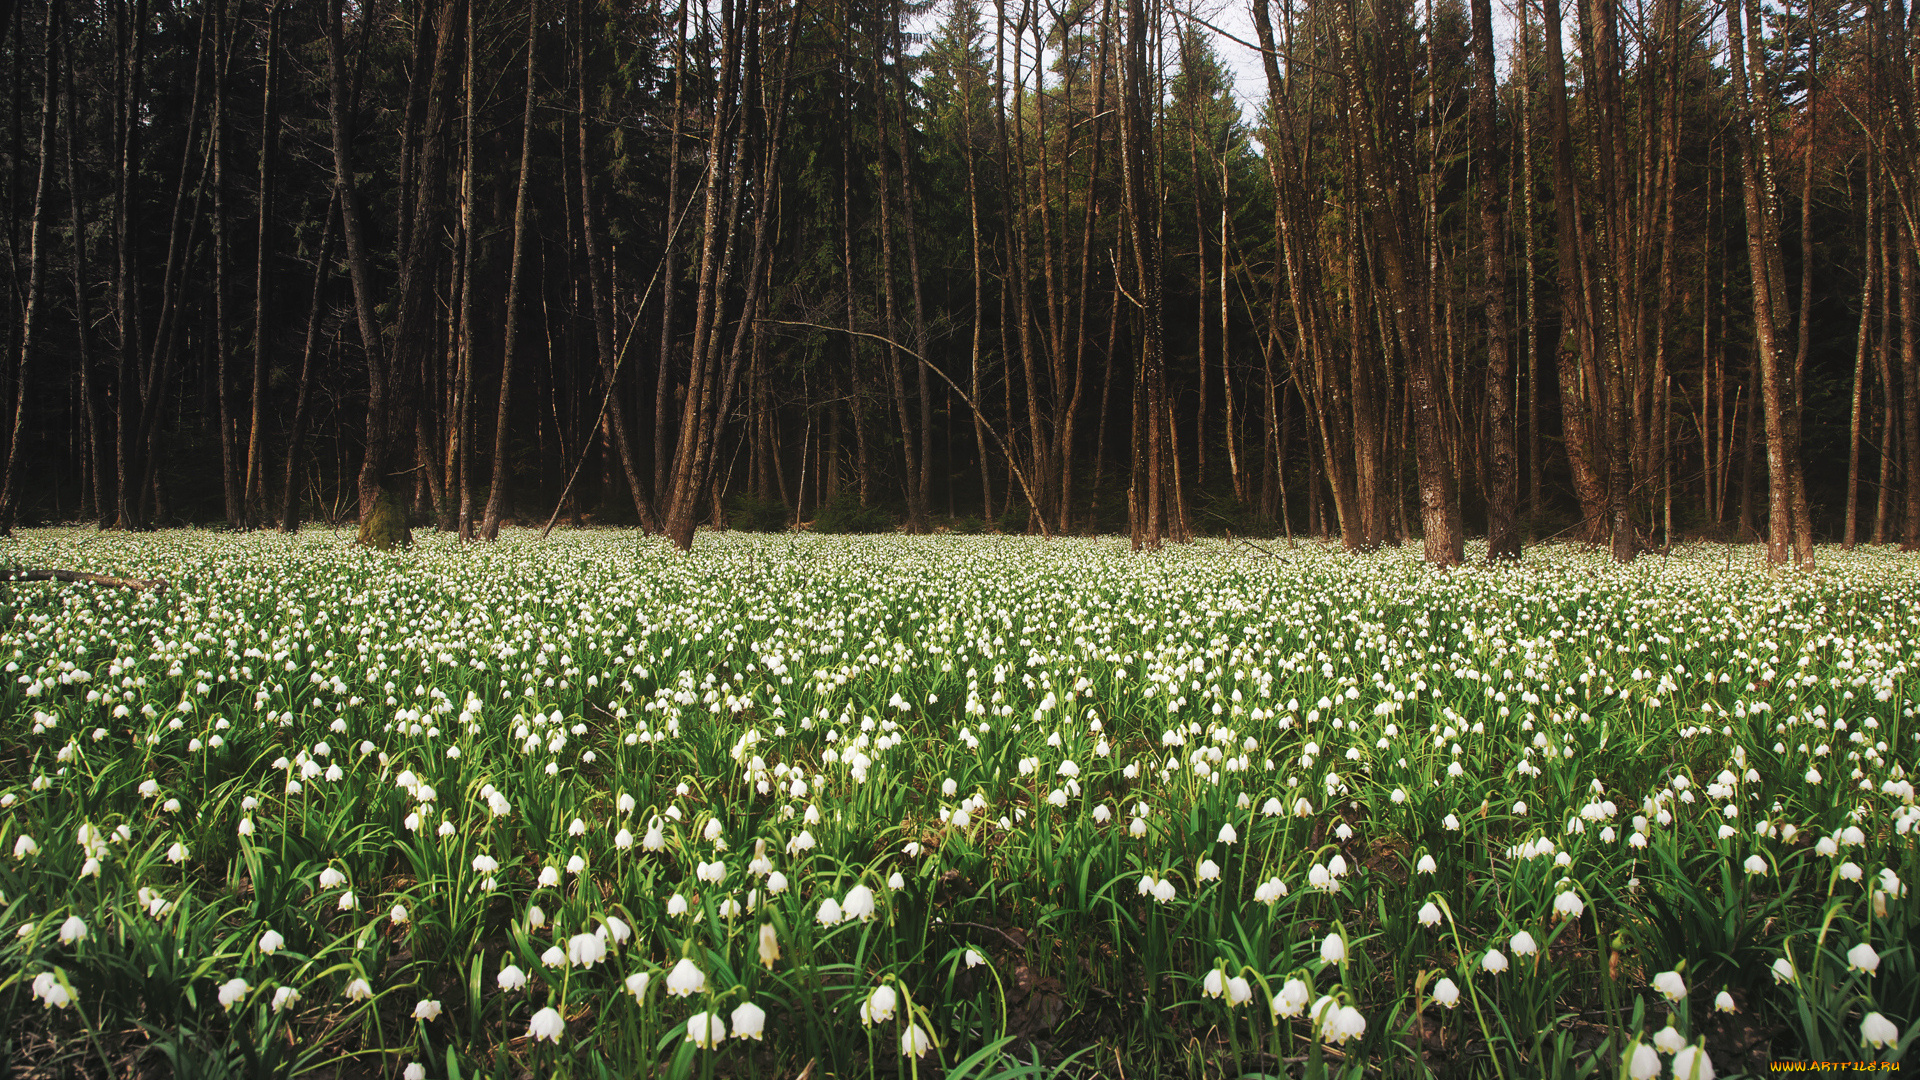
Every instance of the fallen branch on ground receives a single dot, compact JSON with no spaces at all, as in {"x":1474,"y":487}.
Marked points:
{"x":81,"y":577}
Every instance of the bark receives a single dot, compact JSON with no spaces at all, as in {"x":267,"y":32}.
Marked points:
{"x":1503,"y":495}
{"x":1150,"y":497}
{"x":303,"y":385}
{"x":600,"y":286}
{"x":497,"y":493}
{"x":254,"y":488}
{"x":1763,"y":256}
{"x":36,"y":274}
{"x":1584,"y":457}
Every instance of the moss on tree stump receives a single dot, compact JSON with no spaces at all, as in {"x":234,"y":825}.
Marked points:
{"x":386,"y":527}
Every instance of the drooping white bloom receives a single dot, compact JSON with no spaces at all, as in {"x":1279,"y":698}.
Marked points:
{"x":1523,"y":944}
{"x":548,"y":1025}
{"x":359,"y":990}
{"x":636,"y":984}
{"x":769,"y":946}
{"x":1446,"y":993}
{"x":1239,"y":991}
{"x":706,"y":1030}
{"x":1723,"y":1002}
{"x":1334,"y":949}
{"x":1668,"y":1040}
{"x":1644,"y":1062}
{"x":859,"y":904}
{"x":915,"y":1042}
{"x":586,"y":950}
{"x":1430,"y":914}
{"x":686,"y":979}
{"x":1291,"y":1000}
{"x":1670,"y":985}
{"x":232,"y":992}
{"x":879,"y":1006}
{"x":511,"y":978}
{"x":749,"y":1021}
{"x":1878,"y":1031}
{"x":1691,"y":1063}
{"x":1862,"y":958}
{"x":427,"y":1009}
{"x":74,"y":929}
{"x":270,"y":942}
{"x":1494,"y":962}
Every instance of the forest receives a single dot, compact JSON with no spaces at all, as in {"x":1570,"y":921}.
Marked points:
{"x":1626,"y":274}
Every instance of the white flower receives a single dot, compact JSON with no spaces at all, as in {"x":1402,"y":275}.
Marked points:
{"x":177,"y":853}
{"x":1345,"y":1023}
{"x":74,"y":929}
{"x":769,"y":947}
{"x":879,"y":1006}
{"x":637,"y":985}
{"x":332,"y":878}
{"x":485,"y":864}
{"x":554,"y":957}
{"x":1669,"y":1040}
{"x":1430,"y":914}
{"x":1644,"y":1062}
{"x":859,"y":904}
{"x":426,"y":1010}
{"x":548,"y":1025}
{"x":1208,"y":870}
{"x":232,"y":992}
{"x":1292,"y":999}
{"x":1878,"y":1031}
{"x":270,"y":942}
{"x":359,"y":990}
{"x":749,"y":1021}
{"x":1426,"y":865}
{"x":1756,"y":865}
{"x":1227,"y":834}
{"x":1215,"y":984}
{"x":284,"y":998}
{"x":686,"y":979}
{"x":830,"y":914}
{"x":915,"y":1042}
{"x":586,"y":950}
{"x":706,"y":1030}
{"x":511,"y":978}
{"x":1494,"y":962}
{"x":414,"y":1071}
{"x":1723,"y":1002}
{"x":1239,"y":991}
{"x":1334,"y":949}
{"x":1862,"y":958}
{"x":1569,"y":904}
{"x":1692,"y":1063}
{"x":51,"y":992}
{"x":1671,"y":985}
{"x":1523,"y":944}
{"x":1783,"y":971}
{"x":1446,"y":993}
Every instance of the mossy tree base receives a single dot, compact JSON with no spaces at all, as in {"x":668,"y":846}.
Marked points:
{"x":386,"y":527}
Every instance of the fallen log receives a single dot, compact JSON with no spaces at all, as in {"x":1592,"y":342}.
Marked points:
{"x":82,"y":577}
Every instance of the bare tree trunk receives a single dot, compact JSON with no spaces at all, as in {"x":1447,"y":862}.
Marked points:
{"x":36,"y":272}
{"x":1862,"y":338}
{"x":1503,"y":495}
{"x":1149,"y":502}
{"x":254,"y":489}
{"x":103,"y":503}
{"x":600,"y":285}
{"x":303,"y":387}
{"x":1763,"y":254}
{"x":497,"y":493}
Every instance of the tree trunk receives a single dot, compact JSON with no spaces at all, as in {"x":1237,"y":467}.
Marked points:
{"x":36,"y":272}
{"x":1503,"y":495}
{"x":497,"y":493}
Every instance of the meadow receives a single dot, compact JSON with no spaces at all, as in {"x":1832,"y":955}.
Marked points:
{"x":818,"y":806}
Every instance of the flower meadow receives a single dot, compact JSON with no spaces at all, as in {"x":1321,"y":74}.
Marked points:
{"x":946,"y":806}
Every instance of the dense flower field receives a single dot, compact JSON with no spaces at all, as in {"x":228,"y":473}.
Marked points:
{"x":952,"y":806}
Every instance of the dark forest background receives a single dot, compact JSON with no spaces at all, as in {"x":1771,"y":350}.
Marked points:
{"x":1643,"y":271}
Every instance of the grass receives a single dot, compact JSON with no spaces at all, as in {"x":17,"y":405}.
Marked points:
{"x":961,"y":806}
